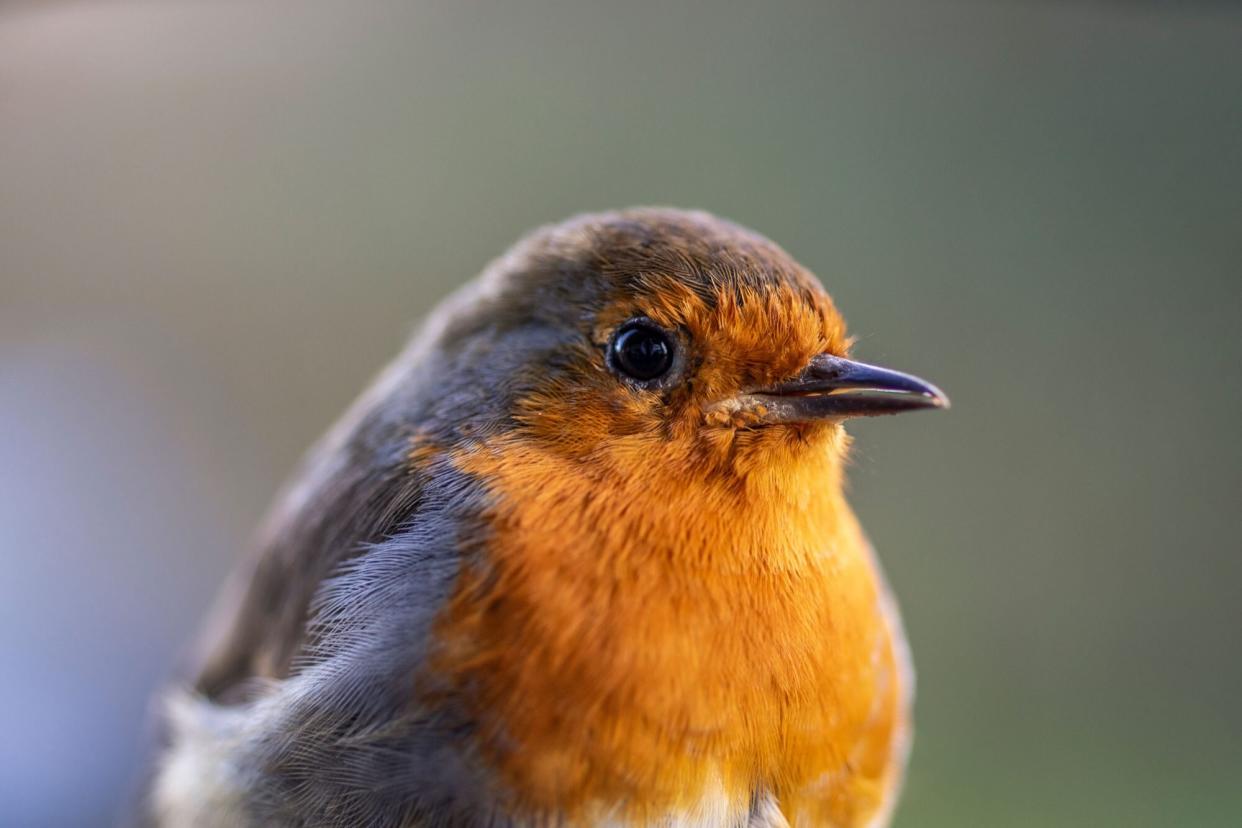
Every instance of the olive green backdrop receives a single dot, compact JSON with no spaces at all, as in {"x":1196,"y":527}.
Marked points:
{"x":217,"y":220}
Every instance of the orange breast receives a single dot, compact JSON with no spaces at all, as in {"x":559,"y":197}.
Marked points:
{"x":632,"y":635}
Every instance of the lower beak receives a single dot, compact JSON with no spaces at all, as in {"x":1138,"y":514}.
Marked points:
{"x":834,"y":388}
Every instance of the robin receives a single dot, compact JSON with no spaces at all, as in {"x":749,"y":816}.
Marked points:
{"x":580,"y":557}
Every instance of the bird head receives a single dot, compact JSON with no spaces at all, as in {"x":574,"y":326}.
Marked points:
{"x":670,"y":331}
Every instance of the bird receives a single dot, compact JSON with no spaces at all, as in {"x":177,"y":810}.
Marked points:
{"x":580,"y":556}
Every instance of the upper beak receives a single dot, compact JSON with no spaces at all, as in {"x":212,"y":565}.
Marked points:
{"x":832,"y":387}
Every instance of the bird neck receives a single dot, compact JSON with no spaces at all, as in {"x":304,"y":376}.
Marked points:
{"x":770,"y":499}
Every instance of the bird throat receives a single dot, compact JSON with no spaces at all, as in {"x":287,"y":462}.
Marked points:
{"x":630,"y":634}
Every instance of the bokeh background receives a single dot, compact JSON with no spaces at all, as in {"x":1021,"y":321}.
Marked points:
{"x":218,"y":219}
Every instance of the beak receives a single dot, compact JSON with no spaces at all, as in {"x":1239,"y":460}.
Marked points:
{"x":835,"y":388}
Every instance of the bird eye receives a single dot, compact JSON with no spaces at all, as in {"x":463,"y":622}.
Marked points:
{"x":642,"y":351}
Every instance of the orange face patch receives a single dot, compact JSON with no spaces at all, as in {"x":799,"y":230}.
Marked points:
{"x":744,"y":338}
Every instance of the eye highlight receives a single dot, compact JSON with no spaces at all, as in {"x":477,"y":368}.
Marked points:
{"x":642,"y":351}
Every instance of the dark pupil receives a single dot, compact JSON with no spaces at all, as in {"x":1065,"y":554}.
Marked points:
{"x":643,"y":353}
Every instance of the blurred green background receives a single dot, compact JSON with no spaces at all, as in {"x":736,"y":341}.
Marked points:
{"x":217,"y":220}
